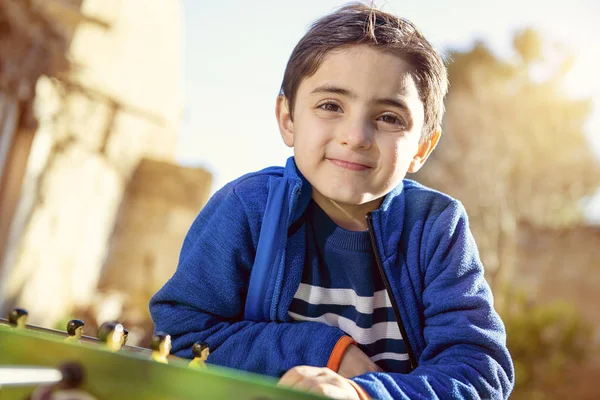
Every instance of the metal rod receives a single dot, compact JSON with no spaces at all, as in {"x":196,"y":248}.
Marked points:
{"x":84,"y":338}
{"x":29,"y":376}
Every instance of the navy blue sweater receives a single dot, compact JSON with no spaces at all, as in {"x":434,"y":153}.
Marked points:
{"x":242,"y":261}
{"x":342,"y":286}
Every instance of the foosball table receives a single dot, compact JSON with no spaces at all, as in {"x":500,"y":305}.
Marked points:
{"x":39,"y":363}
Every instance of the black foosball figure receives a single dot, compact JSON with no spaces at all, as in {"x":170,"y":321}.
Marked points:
{"x":17,"y":318}
{"x":74,"y":330}
{"x":68,"y":388}
{"x":111,"y":334}
{"x":161,"y":347}
{"x":201,"y":352}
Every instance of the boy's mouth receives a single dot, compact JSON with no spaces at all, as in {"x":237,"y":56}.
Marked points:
{"x":352,"y":166}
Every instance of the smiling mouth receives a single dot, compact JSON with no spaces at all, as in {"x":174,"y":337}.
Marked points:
{"x":349,"y":165}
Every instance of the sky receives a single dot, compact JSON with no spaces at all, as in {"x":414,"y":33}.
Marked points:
{"x":235,"y":54}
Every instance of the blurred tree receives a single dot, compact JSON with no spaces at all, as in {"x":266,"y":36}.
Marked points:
{"x":514,"y":147}
{"x":544,"y":340}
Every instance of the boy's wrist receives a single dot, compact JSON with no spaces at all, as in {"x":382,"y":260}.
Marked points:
{"x":335,"y":359}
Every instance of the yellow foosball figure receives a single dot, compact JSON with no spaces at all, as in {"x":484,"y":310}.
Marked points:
{"x":74,"y":330}
{"x":17,"y":318}
{"x":125,"y":336}
{"x":201,"y":352}
{"x":111,"y":334}
{"x":161,"y":347}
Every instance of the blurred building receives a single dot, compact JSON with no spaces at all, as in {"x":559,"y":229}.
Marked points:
{"x":89,"y":192}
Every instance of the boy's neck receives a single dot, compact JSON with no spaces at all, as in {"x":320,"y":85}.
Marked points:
{"x":351,"y":217}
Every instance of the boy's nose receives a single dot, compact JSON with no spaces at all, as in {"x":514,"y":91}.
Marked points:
{"x":357,"y":135}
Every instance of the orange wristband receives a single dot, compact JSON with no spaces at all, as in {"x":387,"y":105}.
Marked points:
{"x":362,"y":395}
{"x":335,"y":359}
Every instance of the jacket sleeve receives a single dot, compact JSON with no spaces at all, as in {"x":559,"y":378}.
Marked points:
{"x":465,"y":356}
{"x":204,"y":300}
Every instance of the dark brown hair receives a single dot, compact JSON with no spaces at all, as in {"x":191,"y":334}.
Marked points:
{"x":72,"y":326}
{"x":198,"y":347}
{"x":356,"y":24}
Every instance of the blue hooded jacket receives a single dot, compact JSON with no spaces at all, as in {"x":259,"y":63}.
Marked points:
{"x":241,"y":264}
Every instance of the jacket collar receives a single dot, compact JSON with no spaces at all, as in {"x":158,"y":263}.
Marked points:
{"x":300,"y":188}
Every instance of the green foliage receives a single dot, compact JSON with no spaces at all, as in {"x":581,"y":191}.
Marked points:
{"x":514,"y":148}
{"x":544,"y":338}
{"x":512,"y":138}
{"x":528,"y":45}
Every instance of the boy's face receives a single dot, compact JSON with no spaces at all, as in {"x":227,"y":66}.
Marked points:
{"x":357,"y":126}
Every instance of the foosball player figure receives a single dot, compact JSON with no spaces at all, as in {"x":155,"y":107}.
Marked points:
{"x":17,"y":318}
{"x":69,"y":388}
{"x":125,"y":336}
{"x":74,"y":330}
{"x":111,"y":334}
{"x":201,"y":352}
{"x":161,"y":347}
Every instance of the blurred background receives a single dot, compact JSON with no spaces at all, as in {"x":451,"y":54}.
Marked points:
{"x":119,"y":118}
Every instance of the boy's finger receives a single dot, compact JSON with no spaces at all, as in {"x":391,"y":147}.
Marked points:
{"x":308,"y":385}
{"x":296,"y":374}
{"x":289,"y":378}
{"x":328,"y":390}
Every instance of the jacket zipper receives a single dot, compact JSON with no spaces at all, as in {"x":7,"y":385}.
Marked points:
{"x":411,"y":356}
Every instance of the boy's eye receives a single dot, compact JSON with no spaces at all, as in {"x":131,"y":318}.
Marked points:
{"x":330,"y":107}
{"x":391,"y":119}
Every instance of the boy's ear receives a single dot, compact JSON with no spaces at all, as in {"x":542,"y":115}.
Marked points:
{"x":284,"y":120}
{"x":425,"y":149}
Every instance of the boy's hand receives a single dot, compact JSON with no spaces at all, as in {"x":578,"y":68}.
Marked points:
{"x":355,"y":362}
{"x":319,"y":380}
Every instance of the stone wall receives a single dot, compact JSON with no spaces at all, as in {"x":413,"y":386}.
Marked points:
{"x":121,"y":104}
{"x":159,"y":206}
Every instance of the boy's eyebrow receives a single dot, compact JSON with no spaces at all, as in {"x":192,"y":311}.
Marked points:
{"x":353,"y":96}
{"x":335,"y":90}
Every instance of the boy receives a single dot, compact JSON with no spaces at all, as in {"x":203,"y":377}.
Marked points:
{"x":335,"y":273}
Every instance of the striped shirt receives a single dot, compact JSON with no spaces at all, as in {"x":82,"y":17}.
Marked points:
{"x":341,"y":286}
